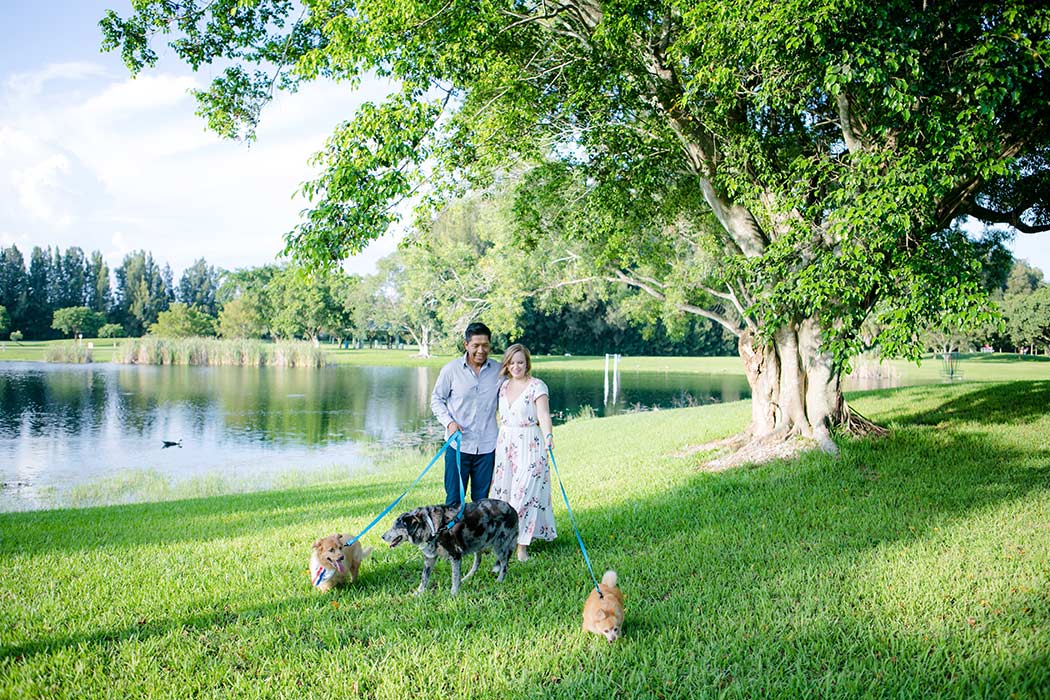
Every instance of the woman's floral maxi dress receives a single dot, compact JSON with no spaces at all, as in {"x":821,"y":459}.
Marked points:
{"x":521,"y":476}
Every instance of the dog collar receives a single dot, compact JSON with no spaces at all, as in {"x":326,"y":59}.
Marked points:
{"x":430,"y":524}
{"x":320,"y":575}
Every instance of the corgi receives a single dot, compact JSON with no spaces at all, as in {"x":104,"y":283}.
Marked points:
{"x":332,"y":561}
{"x":604,"y":615}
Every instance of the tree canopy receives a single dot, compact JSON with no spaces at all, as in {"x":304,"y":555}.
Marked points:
{"x":182,"y":321}
{"x":810,"y":163}
{"x":78,"y":320}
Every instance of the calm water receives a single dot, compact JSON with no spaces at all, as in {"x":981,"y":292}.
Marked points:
{"x":82,"y":434}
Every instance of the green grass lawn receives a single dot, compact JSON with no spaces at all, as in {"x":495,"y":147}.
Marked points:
{"x":36,"y":350}
{"x":996,"y":367}
{"x":912,"y":566}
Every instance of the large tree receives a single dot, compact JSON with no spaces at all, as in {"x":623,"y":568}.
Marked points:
{"x":182,"y":321}
{"x":1028,"y":320}
{"x":14,"y":285}
{"x":77,"y":320}
{"x":69,"y":281}
{"x":835,"y":144}
{"x":309,"y":304}
{"x":143,"y":292}
{"x":38,"y":309}
{"x":199,"y":286}
{"x":98,"y":296}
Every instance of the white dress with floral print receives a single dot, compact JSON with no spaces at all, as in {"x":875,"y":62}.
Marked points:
{"x":521,"y":476}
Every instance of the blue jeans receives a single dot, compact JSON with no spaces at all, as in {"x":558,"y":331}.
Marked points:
{"x":477,"y":469}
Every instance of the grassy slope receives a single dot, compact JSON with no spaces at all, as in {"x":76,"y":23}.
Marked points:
{"x":912,"y":565}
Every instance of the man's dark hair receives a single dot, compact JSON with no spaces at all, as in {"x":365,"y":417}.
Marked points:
{"x":477,"y":329}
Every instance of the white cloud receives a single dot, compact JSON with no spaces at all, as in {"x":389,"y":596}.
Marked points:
{"x":31,"y":84}
{"x":39,"y":189}
{"x":13,"y":142}
{"x":130,"y":164}
{"x":132,"y":96}
{"x":10,"y":238}
{"x":118,"y":249}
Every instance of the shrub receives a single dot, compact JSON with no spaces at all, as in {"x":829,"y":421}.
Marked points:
{"x":182,"y":321}
{"x":111,"y":330}
{"x":77,"y":320}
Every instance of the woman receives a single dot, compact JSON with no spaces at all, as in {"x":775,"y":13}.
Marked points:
{"x":521,"y":475}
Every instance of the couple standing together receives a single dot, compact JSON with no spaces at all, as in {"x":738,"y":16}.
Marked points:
{"x":505,"y":459}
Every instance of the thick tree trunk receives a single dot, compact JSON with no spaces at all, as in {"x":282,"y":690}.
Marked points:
{"x":796,"y":392}
{"x":795,"y":389}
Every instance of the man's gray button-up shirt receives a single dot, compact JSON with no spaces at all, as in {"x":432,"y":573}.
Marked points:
{"x":469,"y":399}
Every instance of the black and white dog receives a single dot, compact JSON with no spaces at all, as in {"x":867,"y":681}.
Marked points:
{"x":487,"y":523}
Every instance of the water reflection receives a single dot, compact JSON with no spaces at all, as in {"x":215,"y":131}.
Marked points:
{"x":62,"y":426}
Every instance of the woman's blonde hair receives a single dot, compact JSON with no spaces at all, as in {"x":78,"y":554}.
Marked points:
{"x":504,"y":365}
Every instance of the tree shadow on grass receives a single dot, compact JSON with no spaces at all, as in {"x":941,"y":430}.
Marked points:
{"x":192,"y":520}
{"x":1001,"y":358}
{"x":718,"y":547}
{"x":743,"y":536}
{"x":1003,"y":404}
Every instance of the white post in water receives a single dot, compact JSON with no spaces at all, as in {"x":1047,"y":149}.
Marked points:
{"x":606,"y":378}
{"x":616,"y":376}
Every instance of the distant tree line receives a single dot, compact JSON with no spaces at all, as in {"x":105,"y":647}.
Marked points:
{"x":63,"y":293}
{"x":413,"y":298}
{"x":468,"y":265}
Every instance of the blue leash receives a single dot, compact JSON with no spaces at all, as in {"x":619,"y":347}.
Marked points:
{"x":458,"y":438}
{"x":572,"y":519}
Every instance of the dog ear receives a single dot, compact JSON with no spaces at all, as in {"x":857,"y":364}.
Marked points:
{"x":342,"y":540}
{"x":413,"y":525}
{"x":601,"y":614}
{"x":317,"y":544}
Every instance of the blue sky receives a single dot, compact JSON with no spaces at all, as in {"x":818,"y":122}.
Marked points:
{"x":93,"y":158}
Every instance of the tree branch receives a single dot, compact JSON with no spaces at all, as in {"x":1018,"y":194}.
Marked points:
{"x":1012,"y":217}
{"x":848,"y":125}
{"x":622,"y":278}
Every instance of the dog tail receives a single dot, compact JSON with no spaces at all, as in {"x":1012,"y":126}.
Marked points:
{"x":366,"y":552}
{"x":609,"y":579}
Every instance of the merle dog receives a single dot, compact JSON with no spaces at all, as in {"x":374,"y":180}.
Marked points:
{"x":487,"y":523}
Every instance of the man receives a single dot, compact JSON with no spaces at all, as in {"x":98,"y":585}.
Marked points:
{"x":464,"y":399}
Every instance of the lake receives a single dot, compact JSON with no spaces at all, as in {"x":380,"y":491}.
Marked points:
{"x":89,"y":434}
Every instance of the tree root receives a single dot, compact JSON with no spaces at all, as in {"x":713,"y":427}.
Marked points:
{"x":855,"y":425}
{"x":744,"y":449}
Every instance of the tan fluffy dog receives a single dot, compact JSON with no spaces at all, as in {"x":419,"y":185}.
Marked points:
{"x":332,"y":560}
{"x":604,"y":615}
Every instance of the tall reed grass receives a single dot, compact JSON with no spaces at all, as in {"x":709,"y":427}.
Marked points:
{"x":213,"y":352}
{"x":76,"y":353}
